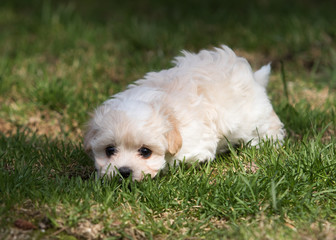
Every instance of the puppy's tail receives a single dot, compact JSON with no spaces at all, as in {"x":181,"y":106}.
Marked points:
{"x":262,"y":75}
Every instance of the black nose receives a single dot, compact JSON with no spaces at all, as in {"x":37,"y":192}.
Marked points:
{"x":125,"y":172}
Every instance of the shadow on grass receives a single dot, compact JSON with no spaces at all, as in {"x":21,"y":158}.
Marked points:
{"x":43,"y":155}
{"x":301,"y":121}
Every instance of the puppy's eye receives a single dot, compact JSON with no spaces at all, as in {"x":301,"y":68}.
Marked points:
{"x":145,"y":152}
{"x":111,"y":150}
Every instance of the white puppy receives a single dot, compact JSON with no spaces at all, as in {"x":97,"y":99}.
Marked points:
{"x":189,"y":112}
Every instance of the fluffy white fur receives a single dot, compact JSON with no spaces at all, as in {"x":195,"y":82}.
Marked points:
{"x":187,"y":112}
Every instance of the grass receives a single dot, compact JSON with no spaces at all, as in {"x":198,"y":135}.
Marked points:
{"x":60,"y":59}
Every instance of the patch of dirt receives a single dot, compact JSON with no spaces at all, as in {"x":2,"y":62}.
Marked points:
{"x":45,"y":122}
{"x":87,"y":230}
{"x":316,"y":98}
{"x":6,"y":127}
{"x":98,"y":224}
{"x":251,"y":167}
{"x":319,"y":230}
{"x":51,"y":125}
{"x":15,"y":233}
{"x":328,"y":134}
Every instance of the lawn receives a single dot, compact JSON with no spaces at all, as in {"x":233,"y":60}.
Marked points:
{"x":61,"y":59}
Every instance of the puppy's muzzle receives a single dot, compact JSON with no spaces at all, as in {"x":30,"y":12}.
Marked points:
{"x":125,"y":172}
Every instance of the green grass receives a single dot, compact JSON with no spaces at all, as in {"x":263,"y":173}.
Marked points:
{"x":60,"y":59}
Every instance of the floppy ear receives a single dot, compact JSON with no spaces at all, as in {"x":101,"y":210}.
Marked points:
{"x":174,"y":137}
{"x":174,"y":141}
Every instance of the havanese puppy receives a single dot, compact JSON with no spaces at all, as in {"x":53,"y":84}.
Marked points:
{"x":189,"y":113}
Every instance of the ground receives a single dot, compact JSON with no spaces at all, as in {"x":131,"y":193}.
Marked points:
{"x":61,"y":59}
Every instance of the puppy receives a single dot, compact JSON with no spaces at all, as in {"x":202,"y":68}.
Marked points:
{"x":186,"y":113}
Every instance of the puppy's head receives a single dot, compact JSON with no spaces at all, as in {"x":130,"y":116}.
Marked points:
{"x":132,"y":138}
